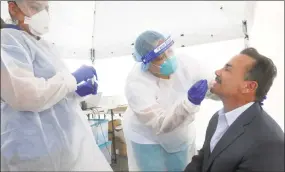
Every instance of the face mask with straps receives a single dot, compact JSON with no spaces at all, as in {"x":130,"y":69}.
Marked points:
{"x":38,"y":22}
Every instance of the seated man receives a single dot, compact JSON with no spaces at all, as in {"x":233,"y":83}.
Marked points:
{"x":242,"y":137}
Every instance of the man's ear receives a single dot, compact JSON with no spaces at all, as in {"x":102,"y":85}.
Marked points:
{"x":250,"y":86}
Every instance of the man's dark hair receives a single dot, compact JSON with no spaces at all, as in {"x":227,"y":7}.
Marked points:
{"x":2,"y":23}
{"x":263,"y":72}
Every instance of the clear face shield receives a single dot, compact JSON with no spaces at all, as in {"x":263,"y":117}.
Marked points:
{"x":161,"y":60}
{"x":36,"y":15}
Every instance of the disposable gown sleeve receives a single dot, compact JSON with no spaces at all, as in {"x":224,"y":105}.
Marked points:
{"x":160,"y":120}
{"x":25,"y":92}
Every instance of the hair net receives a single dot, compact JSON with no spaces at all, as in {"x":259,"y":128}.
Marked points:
{"x":31,"y":7}
{"x":145,"y":43}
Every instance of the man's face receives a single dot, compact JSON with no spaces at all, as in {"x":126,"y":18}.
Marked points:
{"x":231,"y":78}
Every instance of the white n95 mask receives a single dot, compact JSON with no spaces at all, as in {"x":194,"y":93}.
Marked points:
{"x":38,"y":23}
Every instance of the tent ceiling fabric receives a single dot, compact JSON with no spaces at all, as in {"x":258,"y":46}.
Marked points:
{"x":118,"y":23}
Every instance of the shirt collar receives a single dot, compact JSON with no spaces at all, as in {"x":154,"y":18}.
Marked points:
{"x":12,"y":26}
{"x":234,"y":114}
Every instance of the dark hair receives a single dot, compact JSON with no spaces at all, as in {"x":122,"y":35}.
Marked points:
{"x":263,"y":72}
{"x":2,"y":23}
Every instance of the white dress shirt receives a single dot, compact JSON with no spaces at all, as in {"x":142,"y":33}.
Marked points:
{"x":225,"y":121}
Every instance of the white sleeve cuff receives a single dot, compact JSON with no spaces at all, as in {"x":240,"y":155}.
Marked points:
{"x":190,"y":107}
{"x":70,"y":81}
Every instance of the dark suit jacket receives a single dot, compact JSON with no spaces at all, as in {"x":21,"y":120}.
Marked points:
{"x":253,"y":143}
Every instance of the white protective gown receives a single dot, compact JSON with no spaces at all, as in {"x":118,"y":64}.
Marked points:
{"x":159,"y":111}
{"x":42,"y":125}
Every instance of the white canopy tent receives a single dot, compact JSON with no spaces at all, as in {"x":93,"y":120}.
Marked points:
{"x":118,"y":23}
{"x":111,"y":27}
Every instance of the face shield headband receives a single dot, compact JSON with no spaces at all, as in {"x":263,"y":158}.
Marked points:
{"x":157,"y":51}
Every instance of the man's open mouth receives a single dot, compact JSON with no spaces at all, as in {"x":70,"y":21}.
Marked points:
{"x":218,"y":80}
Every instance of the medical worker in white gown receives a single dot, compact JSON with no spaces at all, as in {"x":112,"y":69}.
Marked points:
{"x":163,"y":94}
{"x":42,"y":125}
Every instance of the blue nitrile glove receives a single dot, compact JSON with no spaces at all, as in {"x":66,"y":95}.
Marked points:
{"x":197,"y":92}
{"x":84,"y":73}
{"x":87,"y":88}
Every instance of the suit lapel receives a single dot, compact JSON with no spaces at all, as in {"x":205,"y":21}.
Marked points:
{"x":233,"y":132}
{"x":212,"y":129}
{"x":229,"y":137}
